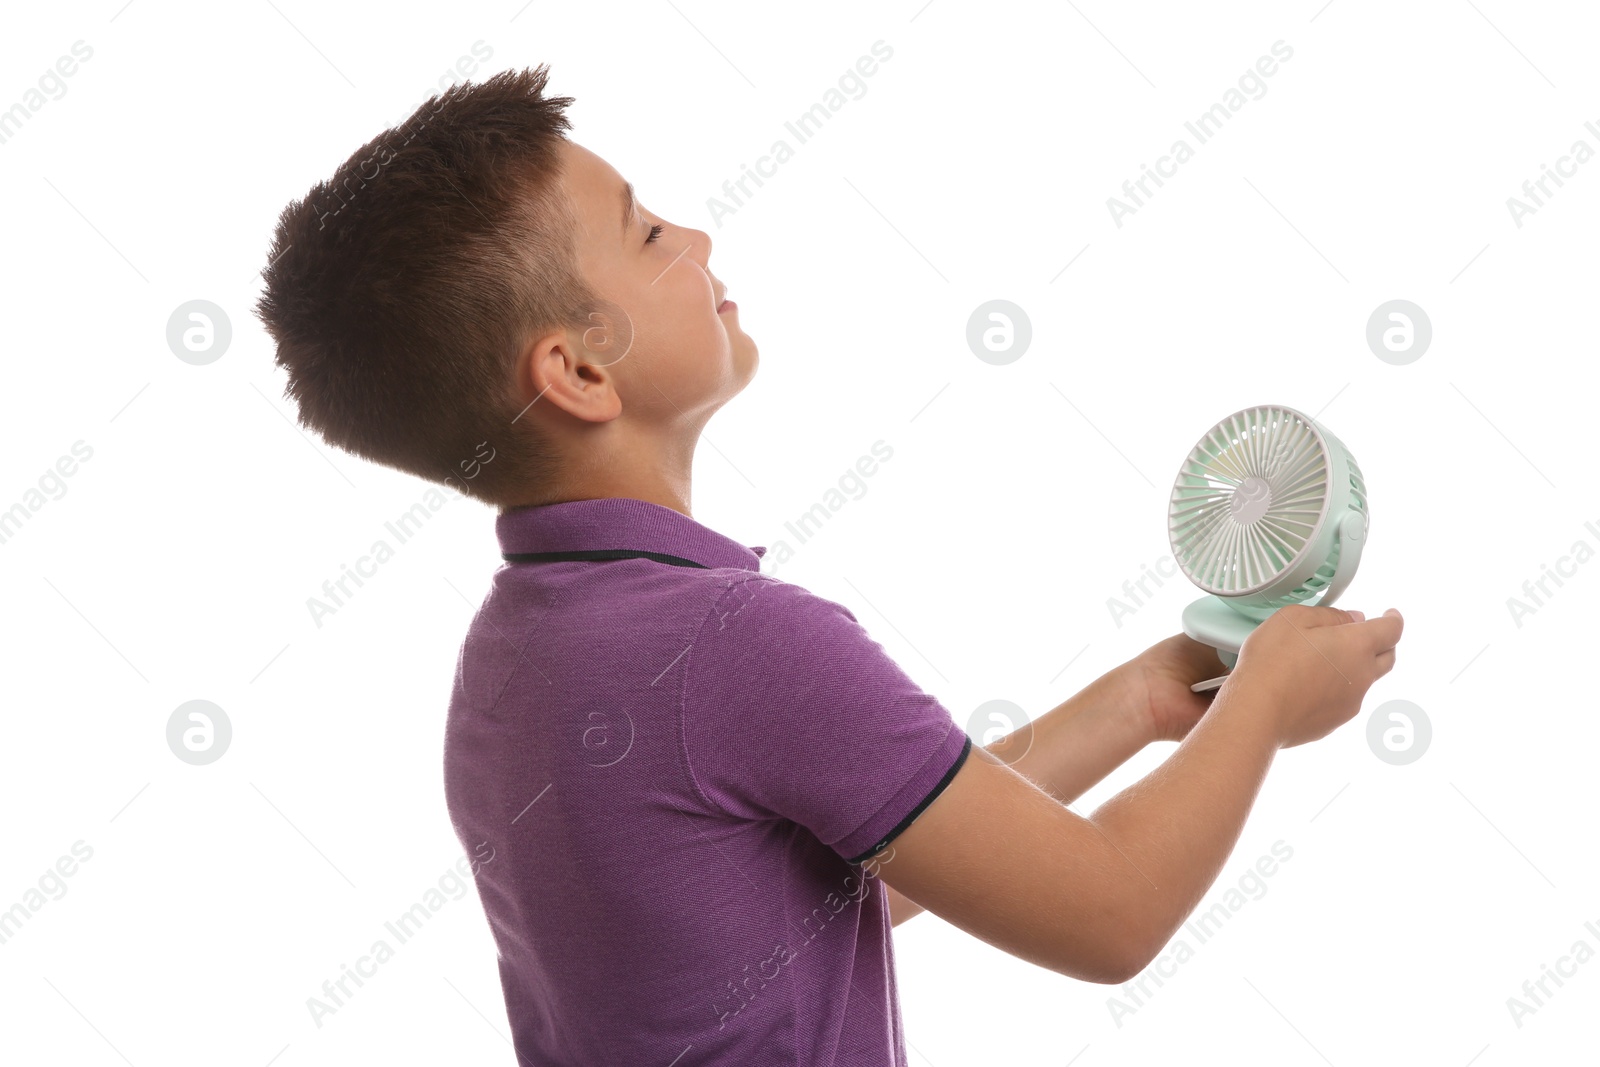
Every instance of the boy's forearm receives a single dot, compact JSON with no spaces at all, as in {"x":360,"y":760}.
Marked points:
{"x":1084,"y":738}
{"x":1177,"y":825}
{"x":1071,"y":748}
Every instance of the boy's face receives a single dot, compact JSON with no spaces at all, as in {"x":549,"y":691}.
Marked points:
{"x":662,"y":354}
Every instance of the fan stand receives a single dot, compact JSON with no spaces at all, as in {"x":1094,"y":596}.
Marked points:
{"x":1210,"y":621}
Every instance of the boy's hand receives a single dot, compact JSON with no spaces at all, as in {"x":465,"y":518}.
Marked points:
{"x":1313,"y":666}
{"x":1162,"y":675}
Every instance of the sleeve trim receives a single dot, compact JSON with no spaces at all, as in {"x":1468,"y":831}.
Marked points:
{"x":911,"y":816}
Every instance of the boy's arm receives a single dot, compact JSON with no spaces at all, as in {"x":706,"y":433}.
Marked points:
{"x":1073,"y":746}
{"x":1096,"y":898}
{"x":1090,"y":898}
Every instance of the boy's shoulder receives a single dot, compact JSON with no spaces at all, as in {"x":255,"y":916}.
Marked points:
{"x":754,"y":601}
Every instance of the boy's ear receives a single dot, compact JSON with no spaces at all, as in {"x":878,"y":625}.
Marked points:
{"x":565,"y":370}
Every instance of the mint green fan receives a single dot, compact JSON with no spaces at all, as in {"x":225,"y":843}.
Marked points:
{"x":1269,"y":510}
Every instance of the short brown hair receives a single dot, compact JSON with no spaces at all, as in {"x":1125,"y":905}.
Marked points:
{"x":401,"y":291}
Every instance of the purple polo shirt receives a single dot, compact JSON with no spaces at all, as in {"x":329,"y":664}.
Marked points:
{"x":683,"y":767}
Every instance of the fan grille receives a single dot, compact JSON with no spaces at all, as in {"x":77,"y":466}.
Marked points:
{"x":1248,"y":500}
{"x":1324,"y":574}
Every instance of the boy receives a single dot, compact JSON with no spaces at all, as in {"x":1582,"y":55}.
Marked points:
{"x":710,"y":793}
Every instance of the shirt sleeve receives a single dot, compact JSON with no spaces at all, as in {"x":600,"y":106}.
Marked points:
{"x":791,"y":710}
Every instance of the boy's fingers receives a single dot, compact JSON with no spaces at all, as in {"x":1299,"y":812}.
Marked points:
{"x":1385,"y":630}
{"x":1318,"y":615}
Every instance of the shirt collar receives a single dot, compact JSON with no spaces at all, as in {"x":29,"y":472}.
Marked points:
{"x":620,"y":523}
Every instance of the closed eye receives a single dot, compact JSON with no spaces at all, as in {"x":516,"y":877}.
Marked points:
{"x":655,"y":231}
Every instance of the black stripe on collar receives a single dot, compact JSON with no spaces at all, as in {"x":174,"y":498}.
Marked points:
{"x":598,"y":554}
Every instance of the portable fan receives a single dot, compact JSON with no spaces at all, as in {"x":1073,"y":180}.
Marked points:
{"x":1268,"y":510}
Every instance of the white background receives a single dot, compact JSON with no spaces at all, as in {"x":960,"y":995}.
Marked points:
{"x":1019,"y":498}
